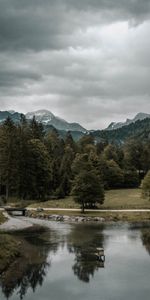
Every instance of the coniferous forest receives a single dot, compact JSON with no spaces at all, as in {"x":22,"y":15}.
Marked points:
{"x":39,"y":165}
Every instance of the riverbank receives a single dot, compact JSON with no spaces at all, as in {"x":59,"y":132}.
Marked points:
{"x":3,"y":218}
{"x":90,"y":216}
{"x":13,"y":247}
{"x":9,"y":251}
{"x":13,"y":223}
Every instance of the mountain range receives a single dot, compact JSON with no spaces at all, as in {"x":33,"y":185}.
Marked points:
{"x":45,"y":117}
{"x":139,"y":116}
{"x":138,"y":127}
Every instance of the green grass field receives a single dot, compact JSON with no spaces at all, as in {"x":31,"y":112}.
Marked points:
{"x":114,"y":199}
{"x":125,"y":198}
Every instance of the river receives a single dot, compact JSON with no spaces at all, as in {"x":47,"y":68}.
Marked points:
{"x":60,"y":263}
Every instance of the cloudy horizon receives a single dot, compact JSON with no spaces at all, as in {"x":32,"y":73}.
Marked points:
{"x":86,"y":62}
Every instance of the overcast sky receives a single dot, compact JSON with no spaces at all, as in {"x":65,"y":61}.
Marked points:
{"x":86,"y":61}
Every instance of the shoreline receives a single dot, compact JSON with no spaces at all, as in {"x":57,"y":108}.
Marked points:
{"x":17,"y":223}
{"x":14,"y":223}
{"x":73,"y":216}
{"x":37,"y":222}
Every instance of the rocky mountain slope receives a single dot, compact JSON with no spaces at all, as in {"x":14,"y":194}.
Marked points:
{"x":139,"y":127}
{"x":45,"y":117}
{"x":48,"y":118}
{"x":139,"y":116}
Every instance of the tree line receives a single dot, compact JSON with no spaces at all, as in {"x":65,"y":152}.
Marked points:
{"x":35,"y":164}
{"x":139,"y":129}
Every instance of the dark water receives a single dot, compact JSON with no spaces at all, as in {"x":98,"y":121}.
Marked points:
{"x":61,"y":264}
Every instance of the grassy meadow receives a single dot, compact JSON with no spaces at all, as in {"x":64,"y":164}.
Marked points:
{"x":114,"y":199}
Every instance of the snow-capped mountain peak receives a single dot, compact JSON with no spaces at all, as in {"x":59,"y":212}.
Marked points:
{"x":48,"y":118}
{"x":140,"y":116}
{"x":39,"y":114}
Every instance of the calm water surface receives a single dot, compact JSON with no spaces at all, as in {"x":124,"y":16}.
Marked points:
{"x":61,"y":264}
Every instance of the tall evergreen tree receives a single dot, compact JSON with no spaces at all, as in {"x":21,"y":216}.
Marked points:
{"x":66,"y":171}
{"x":39,"y":176}
{"x":37,"y":129}
{"x":8,"y":156}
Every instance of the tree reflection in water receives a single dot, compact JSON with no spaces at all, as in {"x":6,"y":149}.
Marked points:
{"x":30,"y":269}
{"x":84,"y":241}
{"x":146,"y":239}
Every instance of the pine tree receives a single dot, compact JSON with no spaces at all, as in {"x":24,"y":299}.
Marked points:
{"x":37,"y":129}
{"x":39,"y":176}
{"x":8,"y":156}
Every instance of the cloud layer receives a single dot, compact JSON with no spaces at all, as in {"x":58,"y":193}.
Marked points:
{"x":86,"y":61}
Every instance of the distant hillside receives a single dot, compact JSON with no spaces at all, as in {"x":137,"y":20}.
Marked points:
{"x":139,"y":129}
{"x":62,"y":133}
{"x":15,"y":116}
{"x":138,"y":117}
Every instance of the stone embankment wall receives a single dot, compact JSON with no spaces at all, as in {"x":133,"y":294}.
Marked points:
{"x":62,"y":218}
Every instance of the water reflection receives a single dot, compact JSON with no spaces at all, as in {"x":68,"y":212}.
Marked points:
{"x":30,"y":270}
{"x":83,"y":241}
{"x":64,"y":253}
{"x":146,"y":239}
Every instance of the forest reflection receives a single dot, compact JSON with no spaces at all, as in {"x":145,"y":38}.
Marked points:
{"x":83,"y":241}
{"x":145,"y":236}
{"x":29,"y":270}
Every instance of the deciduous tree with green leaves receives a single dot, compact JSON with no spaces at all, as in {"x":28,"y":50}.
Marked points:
{"x":87,"y":189}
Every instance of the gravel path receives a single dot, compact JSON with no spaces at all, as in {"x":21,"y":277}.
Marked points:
{"x":90,"y":210}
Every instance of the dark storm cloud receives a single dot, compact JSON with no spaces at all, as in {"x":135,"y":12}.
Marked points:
{"x":9,"y":78}
{"x":41,"y":24}
{"x":71,"y":57}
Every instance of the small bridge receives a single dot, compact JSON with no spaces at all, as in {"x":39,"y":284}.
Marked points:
{"x":16,"y":211}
